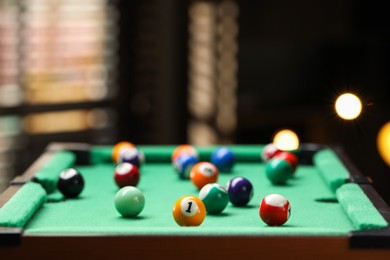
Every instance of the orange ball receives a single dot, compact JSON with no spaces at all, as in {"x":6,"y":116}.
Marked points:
{"x":184,"y":149}
{"x":119,"y":148}
{"x":189,"y":211}
{"x":203,"y":173}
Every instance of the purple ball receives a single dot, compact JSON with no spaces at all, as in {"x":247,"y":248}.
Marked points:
{"x":240,"y":191}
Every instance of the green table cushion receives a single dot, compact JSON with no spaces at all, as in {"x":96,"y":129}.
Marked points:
{"x":48,"y":175}
{"x":359,"y":208}
{"x":19,"y":209}
{"x":331,"y":168}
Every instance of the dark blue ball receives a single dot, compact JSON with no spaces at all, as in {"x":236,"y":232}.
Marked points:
{"x":131,"y":155}
{"x":183,"y":165}
{"x":240,"y":191}
{"x":224,"y":159}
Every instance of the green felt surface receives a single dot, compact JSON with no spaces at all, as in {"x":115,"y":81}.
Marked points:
{"x":313,"y":209}
{"x":18,"y":210}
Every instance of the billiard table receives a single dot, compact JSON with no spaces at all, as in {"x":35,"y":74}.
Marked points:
{"x":336,"y":212}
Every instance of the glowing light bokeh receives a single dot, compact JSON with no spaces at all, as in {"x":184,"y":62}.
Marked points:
{"x":383,"y":142}
{"x":348,"y":106}
{"x":286,"y":140}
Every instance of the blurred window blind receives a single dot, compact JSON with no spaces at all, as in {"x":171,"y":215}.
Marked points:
{"x":65,"y":50}
{"x":212,"y":73}
{"x":10,"y":94}
{"x":57,"y":65}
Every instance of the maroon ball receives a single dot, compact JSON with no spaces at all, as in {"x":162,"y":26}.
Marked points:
{"x":126,"y":174}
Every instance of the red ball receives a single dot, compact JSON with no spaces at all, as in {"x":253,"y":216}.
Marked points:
{"x":275,"y":210}
{"x":126,"y":174}
{"x":269,"y":151}
{"x":289,"y":157}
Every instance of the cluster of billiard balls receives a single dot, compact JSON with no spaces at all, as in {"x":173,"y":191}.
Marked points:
{"x":185,"y":161}
{"x":129,"y":200}
{"x":280,"y":165}
{"x":128,"y":159}
{"x":213,"y":198}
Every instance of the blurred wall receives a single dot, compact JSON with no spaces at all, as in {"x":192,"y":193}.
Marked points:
{"x":293,"y":59}
{"x":296,"y":57}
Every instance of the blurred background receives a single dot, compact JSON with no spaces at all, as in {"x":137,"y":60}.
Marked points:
{"x":193,"y":71}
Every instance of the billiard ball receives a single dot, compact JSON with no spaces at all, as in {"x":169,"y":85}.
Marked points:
{"x":118,"y":148}
{"x":189,"y":211}
{"x":129,"y":201}
{"x":70,"y":183}
{"x":223,"y":158}
{"x":183,"y":165}
{"x":203,"y":173}
{"x":184,"y":149}
{"x":214,"y":197}
{"x":240,"y":191}
{"x":126,"y":174}
{"x":130,"y":155}
{"x":278,"y":171}
{"x":289,"y":157}
{"x":269,"y":151}
{"x":275,"y":210}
